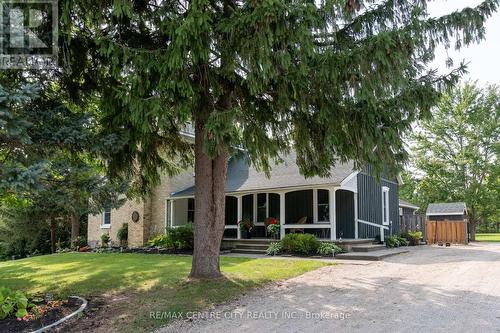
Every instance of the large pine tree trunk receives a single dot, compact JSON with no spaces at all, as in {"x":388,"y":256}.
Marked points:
{"x":210,"y":179}
{"x":75,"y":229}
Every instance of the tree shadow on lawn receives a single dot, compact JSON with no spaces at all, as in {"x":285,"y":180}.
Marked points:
{"x":128,"y":287}
{"x":100,"y":273}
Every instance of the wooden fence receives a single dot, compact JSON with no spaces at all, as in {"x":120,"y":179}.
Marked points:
{"x":447,"y":231}
{"x":412,"y":223}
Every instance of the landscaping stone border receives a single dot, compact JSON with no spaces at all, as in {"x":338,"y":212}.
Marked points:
{"x":51,"y":326}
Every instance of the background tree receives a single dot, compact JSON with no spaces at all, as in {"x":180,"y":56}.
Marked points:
{"x":457,"y":152}
{"x":334,"y":80}
{"x":47,"y":174}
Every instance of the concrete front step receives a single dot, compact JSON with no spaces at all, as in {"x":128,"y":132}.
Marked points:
{"x":368,"y":247}
{"x":250,"y":246}
{"x":249,"y":251}
{"x":371,"y":256}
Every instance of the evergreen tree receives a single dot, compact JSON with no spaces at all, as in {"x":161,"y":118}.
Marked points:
{"x":335,"y":80}
{"x":47,"y":172}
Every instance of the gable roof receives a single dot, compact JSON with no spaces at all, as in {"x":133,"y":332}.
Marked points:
{"x":448,"y":208}
{"x":242,"y":176}
{"x":404,"y":203}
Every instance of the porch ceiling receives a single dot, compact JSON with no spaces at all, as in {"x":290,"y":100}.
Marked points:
{"x":243,"y":177}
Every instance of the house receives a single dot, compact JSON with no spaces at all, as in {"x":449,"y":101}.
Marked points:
{"x":349,"y":204}
{"x":407,"y":208}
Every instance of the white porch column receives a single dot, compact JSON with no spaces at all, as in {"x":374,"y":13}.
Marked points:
{"x":239,"y":214}
{"x":172,"y":212}
{"x":333,"y":218}
{"x":315,"y":205}
{"x":356,"y":215}
{"x":382,"y":238}
{"x":282,"y":215}
{"x":254,"y":207}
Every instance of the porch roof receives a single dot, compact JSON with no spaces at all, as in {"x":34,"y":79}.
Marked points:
{"x":243,"y":177}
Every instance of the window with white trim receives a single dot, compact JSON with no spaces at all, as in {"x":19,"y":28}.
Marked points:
{"x":106,"y":217}
{"x":385,"y":205}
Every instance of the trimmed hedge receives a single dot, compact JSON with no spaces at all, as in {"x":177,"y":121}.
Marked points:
{"x":300,"y":243}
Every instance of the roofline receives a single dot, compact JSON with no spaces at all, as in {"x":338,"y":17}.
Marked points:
{"x":408,"y":206}
{"x":277,"y":189}
{"x":445,"y":213}
{"x":348,"y":178}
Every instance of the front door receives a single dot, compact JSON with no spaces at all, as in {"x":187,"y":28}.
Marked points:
{"x":344,"y":206}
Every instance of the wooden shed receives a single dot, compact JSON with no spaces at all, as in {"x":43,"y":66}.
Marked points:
{"x":447,"y":223}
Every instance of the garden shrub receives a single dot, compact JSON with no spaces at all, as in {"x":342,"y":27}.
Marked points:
{"x":413,"y":237}
{"x":161,"y":241}
{"x":289,"y":243}
{"x":182,"y":237}
{"x":392,"y":241}
{"x":123,"y":233}
{"x":328,"y":249}
{"x":403,"y":241}
{"x":13,"y":302}
{"x":300,"y":243}
{"x":274,"y":249}
{"x":105,"y":239}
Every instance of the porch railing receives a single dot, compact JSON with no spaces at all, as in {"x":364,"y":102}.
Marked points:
{"x":380,"y":226}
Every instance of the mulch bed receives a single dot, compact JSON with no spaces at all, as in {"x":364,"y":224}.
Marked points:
{"x":154,"y":250}
{"x":12,"y":325}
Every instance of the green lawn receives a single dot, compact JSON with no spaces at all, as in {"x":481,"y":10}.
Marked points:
{"x":147,"y":282}
{"x":495,"y":237}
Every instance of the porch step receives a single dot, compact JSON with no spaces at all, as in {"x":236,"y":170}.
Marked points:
{"x":367,"y":247}
{"x":371,"y":256}
{"x":249,"y":251}
{"x":256,"y":246}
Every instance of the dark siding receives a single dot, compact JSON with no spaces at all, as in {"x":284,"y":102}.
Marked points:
{"x":370,"y":203}
{"x":344,"y":205}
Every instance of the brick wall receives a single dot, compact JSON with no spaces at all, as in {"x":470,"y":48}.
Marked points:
{"x":152,"y":214}
{"x":118,"y":217}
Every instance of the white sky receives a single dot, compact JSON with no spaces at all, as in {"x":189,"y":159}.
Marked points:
{"x":483,"y":59}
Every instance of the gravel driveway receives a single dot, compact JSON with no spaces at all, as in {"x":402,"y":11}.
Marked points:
{"x":430,"y":289}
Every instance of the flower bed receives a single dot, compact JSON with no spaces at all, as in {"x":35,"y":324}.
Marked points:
{"x":303,"y":245}
{"x":29,"y":314}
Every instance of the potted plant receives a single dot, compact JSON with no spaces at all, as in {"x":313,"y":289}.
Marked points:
{"x":105,"y":240}
{"x":246,"y":226}
{"x":273,"y":227}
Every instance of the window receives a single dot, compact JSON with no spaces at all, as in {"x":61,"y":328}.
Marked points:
{"x":190,"y":212}
{"x":385,"y":205}
{"x":106,"y":217}
{"x":323,"y":206}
